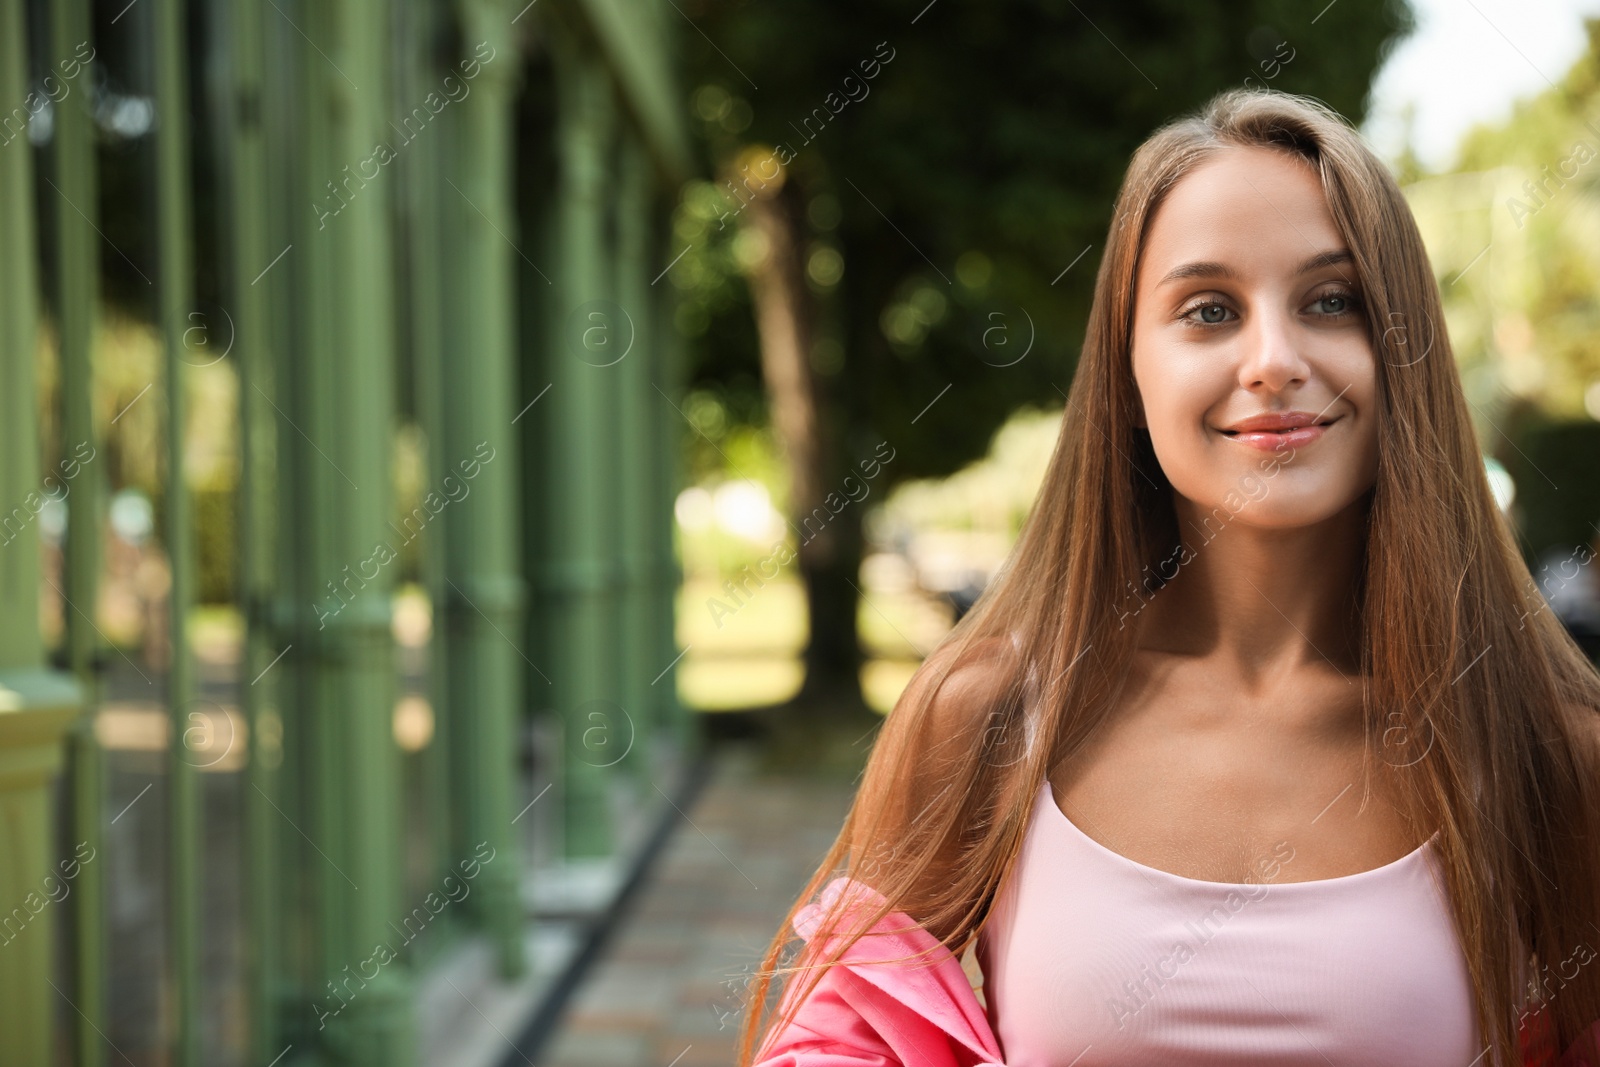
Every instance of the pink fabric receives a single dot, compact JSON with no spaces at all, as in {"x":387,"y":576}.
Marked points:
{"x":1094,"y":959}
{"x":873,"y":1014}
{"x":864,"y":1014}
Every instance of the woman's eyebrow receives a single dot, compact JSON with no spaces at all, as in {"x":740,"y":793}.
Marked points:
{"x":1212,"y":269}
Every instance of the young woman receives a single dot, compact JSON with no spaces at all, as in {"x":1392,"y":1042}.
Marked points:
{"x":1260,"y":748}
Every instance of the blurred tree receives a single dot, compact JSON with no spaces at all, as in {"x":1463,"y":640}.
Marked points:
{"x":1526,"y":199}
{"x":1514,"y":231}
{"x":916,"y":193}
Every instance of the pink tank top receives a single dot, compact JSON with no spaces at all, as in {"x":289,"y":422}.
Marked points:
{"x":1091,"y":959}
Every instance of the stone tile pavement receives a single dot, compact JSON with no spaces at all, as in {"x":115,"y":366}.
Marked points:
{"x":666,"y":991}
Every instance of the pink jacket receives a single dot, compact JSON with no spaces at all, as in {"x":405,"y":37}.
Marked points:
{"x":864,"y":1014}
{"x":873,"y":1014}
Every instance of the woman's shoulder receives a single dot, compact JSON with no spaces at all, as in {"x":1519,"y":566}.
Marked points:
{"x":917,"y":796}
{"x":955,"y":680}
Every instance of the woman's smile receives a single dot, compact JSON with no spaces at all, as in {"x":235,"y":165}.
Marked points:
{"x":1273,"y":440}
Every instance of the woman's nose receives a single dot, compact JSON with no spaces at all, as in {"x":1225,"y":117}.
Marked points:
{"x":1270,"y":355}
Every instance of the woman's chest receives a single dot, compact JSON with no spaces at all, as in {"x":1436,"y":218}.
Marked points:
{"x":1094,"y":959}
{"x":1218,"y":796}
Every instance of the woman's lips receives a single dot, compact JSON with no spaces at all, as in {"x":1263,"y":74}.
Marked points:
{"x":1273,"y":440}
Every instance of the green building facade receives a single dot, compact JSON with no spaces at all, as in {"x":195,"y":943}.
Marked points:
{"x":419,"y":234}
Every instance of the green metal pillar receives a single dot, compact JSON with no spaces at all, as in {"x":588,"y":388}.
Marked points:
{"x":344,"y":407}
{"x":578,"y":577}
{"x":484,"y":593}
{"x":249,"y":251}
{"x":636,"y":401}
{"x":37,"y":706}
{"x":75,"y":197}
{"x":279,"y":794}
{"x":305,"y":989}
{"x":175,"y":279}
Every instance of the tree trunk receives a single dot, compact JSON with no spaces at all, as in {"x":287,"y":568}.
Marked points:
{"x":829,"y":543}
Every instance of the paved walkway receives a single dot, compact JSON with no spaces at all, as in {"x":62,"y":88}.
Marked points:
{"x":667,"y":990}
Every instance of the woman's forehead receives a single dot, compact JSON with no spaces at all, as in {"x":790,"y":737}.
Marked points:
{"x":1250,"y":210}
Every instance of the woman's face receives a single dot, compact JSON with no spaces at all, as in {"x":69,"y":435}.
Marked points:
{"x":1246,"y":304}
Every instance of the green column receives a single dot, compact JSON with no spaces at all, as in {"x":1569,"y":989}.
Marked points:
{"x":344,"y":407}
{"x":636,"y":401}
{"x":74,"y":198}
{"x":249,"y":251}
{"x":174,"y":281}
{"x":298,"y":125}
{"x":288,"y":967}
{"x":484,"y":594}
{"x":37,"y":707}
{"x":578,"y":575}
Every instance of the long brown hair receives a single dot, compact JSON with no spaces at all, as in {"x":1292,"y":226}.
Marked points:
{"x":1507,"y":760}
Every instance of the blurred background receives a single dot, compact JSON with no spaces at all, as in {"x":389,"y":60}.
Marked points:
{"x":477,"y":473}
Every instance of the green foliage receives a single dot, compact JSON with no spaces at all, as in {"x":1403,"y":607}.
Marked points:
{"x":1514,"y":233}
{"x":215,"y":540}
{"x":708,"y":271}
{"x":1525,"y":196}
{"x":958,"y":178}
{"x":1540,"y":129}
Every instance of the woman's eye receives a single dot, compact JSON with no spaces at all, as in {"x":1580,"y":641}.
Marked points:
{"x":1211,"y":314}
{"x":1343,"y":304}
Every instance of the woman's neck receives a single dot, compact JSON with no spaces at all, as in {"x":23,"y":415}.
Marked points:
{"x":1263,"y":602}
